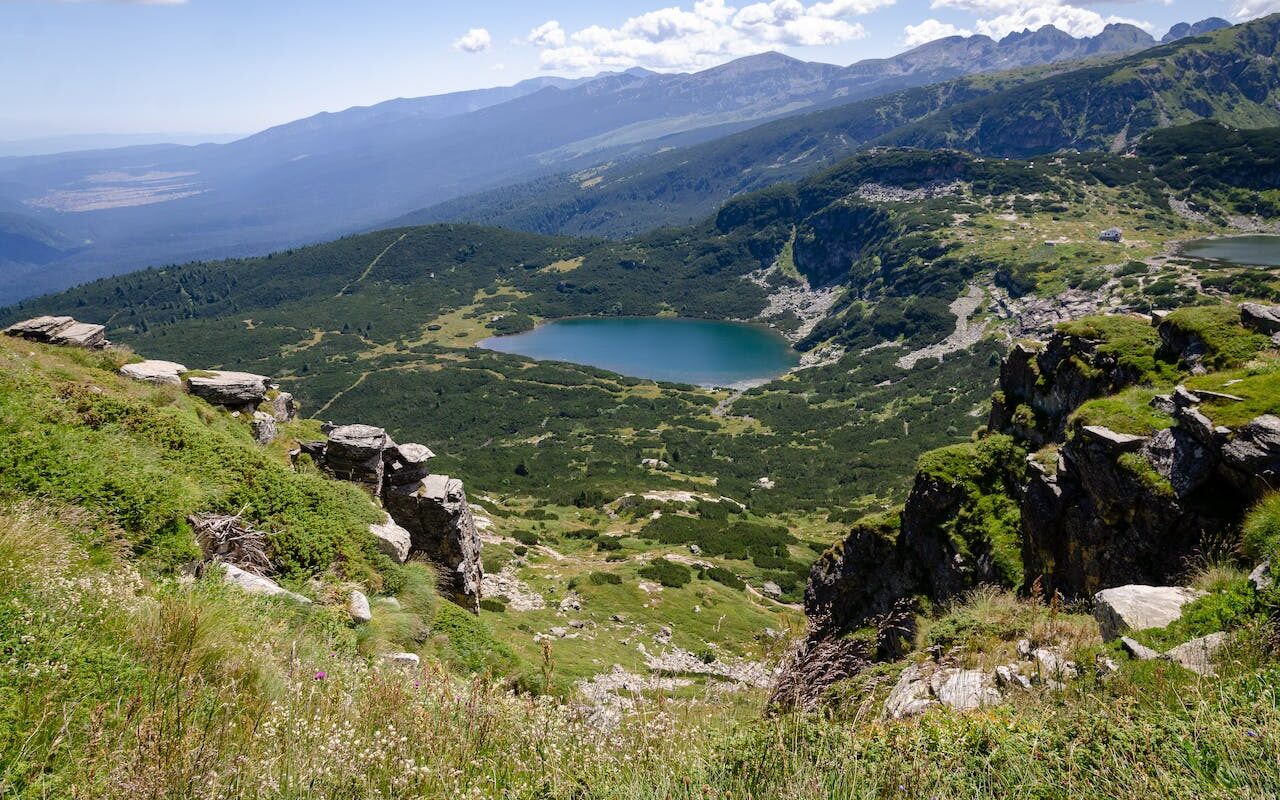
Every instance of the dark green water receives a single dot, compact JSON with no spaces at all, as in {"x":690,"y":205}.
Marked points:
{"x":1257,"y":251}
{"x":698,"y":351}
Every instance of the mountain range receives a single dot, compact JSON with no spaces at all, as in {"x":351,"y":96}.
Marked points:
{"x":103,"y":212}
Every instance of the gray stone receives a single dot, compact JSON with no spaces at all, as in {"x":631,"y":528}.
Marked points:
{"x":60,"y":330}
{"x":234,"y":389}
{"x":407,"y":463}
{"x":354,"y":453}
{"x":441,"y":527}
{"x":1163,"y":403}
{"x":964,"y":689}
{"x":1256,"y":446}
{"x":771,"y":589}
{"x":1009,"y":676}
{"x":255,"y":584}
{"x":82,"y":334}
{"x":1135,"y":607}
{"x":1194,"y":422}
{"x":358,"y":607}
{"x":1264,"y":319}
{"x":1113,"y":441}
{"x":1261,"y":578}
{"x":1182,"y":398}
{"x":402,"y":659}
{"x":1137,"y":649}
{"x":283,"y":407}
{"x":559,"y":632}
{"x":1052,"y":665}
{"x":153,"y":371}
{"x":1197,"y":654}
{"x":910,"y":696}
{"x":263,"y":426}
{"x":571,"y":602}
{"x":1181,"y":459}
{"x":393,"y":540}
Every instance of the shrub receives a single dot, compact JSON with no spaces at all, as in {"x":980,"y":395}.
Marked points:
{"x":668,"y":573}
{"x":603,"y":578}
{"x":724,"y":576}
{"x":527,"y":538}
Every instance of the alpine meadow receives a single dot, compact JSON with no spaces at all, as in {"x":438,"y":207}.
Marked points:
{"x":686,"y":420}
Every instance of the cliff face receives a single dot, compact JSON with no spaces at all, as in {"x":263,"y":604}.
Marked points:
{"x":1124,"y":484}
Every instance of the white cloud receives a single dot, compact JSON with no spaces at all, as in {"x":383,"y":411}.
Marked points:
{"x":1002,"y":17}
{"x":709,"y":33}
{"x":931,"y":29}
{"x":1249,"y":9}
{"x":548,"y":34}
{"x":476,"y":40}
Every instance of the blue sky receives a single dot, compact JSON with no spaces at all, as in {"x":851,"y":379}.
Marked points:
{"x":121,"y":66}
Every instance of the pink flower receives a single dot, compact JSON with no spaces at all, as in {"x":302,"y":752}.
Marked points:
{"x":321,"y":674}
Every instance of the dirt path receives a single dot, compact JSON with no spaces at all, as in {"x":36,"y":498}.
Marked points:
{"x":372,"y":264}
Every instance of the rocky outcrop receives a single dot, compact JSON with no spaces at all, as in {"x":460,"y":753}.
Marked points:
{"x":429,"y":511}
{"x":1263,"y":319}
{"x":263,"y":426}
{"x":1197,"y":655}
{"x":61,"y":331}
{"x":153,"y":371}
{"x":1041,"y":384}
{"x":1137,"y":608}
{"x":441,"y":527}
{"x":235,"y":390}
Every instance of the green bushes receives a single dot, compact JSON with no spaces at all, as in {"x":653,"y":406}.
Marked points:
{"x":724,"y":576}
{"x":144,"y":467}
{"x":668,"y":573}
{"x":604,"y":579}
{"x":1261,"y":539}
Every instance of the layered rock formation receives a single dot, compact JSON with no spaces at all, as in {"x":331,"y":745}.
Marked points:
{"x":61,"y":330}
{"x":427,"y":514}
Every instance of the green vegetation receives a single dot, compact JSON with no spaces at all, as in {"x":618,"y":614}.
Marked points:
{"x":668,"y":573}
{"x":1130,"y":340}
{"x":1129,"y":411}
{"x":1229,"y":344}
{"x":987,"y":473}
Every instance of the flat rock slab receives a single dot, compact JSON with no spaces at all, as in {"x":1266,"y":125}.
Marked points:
{"x":1136,"y":607}
{"x":964,"y":689}
{"x":153,"y":371}
{"x":60,"y":330}
{"x":1197,"y":654}
{"x":1138,"y":650}
{"x":256,"y":584}
{"x":230,"y":388}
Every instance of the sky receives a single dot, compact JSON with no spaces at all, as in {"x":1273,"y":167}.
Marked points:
{"x":236,"y":66}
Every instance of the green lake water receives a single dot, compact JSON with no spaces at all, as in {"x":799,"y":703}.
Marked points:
{"x":697,"y":351}
{"x":1258,"y":251}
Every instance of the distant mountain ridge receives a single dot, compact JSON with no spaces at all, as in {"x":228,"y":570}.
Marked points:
{"x":1229,"y":74}
{"x":336,"y":173}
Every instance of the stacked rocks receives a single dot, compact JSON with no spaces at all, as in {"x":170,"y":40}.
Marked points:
{"x":61,"y":330}
{"x":431,"y":511}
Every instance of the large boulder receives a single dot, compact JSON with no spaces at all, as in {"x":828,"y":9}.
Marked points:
{"x":239,"y":390}
{"x":154,"y":371}
{"x":358,"y":607}
{"x":60,"y":330}
{"x":1254,"y":453}
{"x":964,"y":689}
{"x":911,"y":695}
{"x":441,"y":527}
{"x":283,"y":407}
{"x":1263,"y":319}
{"x":354,"y":453}
{"x":1135,"y":607}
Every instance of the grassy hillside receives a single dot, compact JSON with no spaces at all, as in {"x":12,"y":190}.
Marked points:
{"x":1229,"y":75}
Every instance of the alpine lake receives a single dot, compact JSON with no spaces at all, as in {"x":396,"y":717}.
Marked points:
{"x":1258,"y":250}
{"x":674,"y":349}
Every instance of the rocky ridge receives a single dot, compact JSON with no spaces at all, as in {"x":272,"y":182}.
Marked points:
{"x":1093,"y":510}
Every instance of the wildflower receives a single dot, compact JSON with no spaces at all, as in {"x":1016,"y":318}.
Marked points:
{"x":321,"y":674}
